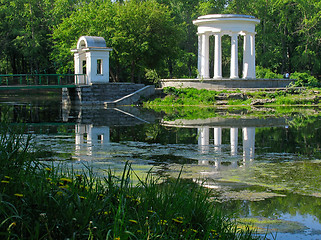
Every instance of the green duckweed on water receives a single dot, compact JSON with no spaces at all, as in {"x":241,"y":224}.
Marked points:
{"x":266,"y":225}
{"x":247,"y":195}
{"x":299,"y":177}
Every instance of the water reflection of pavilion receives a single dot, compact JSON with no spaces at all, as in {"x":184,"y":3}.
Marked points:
{"x":88,"y":135}
{"x":248,"y":137}
{"x":246,"y":126}
{"x":92,"y":128}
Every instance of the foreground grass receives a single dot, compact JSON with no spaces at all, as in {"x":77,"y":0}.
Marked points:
{"x":46,"y":202}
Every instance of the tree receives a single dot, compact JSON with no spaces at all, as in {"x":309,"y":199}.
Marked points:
{"x":25,"y":30}
{"x":141,"y":33}
{"x":288,"y":35}
{"x":24,"y":36}
{"x":92,"y":20}
{"x":144,"y":33}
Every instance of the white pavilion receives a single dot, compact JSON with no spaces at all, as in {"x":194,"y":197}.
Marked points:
{"x":91,"y":58}
{"x":233,"y":25}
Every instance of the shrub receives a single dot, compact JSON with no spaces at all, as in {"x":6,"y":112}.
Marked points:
{"x":266,"y":73}
{"x":304,"y":80}
{"x":152,"y":76}
{"x":187,"y":96}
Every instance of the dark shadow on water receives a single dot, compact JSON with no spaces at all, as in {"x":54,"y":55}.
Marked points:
{"x":170,"y":159}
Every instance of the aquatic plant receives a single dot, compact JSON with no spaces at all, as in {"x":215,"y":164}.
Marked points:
{"x":14,"y":148}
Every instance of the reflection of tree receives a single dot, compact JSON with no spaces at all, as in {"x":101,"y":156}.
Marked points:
{"x":302,"y":136}
{"x":26,"y":113}
{"x":154,"y":133}
{"x":274,"y":207}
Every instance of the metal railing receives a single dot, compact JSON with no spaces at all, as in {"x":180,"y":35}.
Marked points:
{"x":42,"y":79}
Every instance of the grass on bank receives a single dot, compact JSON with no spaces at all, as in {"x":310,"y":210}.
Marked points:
{"x":184,"y":96}
{"x":202,"y":97}
{"x":45,"y":202}
{"x":286,"y":104}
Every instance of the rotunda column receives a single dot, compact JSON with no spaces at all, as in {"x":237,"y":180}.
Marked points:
{"x":246,"y":55}
{"x":234,"y":56}
{"x":251,"y":71}
{"x":218,"y":56}
{"x":199,"y":56}
{"x":205,"y":73}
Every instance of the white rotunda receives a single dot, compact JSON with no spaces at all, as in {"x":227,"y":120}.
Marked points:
{"x":232,"y":25}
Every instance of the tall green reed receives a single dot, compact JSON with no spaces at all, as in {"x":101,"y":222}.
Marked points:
{"x":14,"y":147}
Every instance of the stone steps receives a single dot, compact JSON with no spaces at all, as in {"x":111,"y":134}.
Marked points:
{"x":100,"y":94}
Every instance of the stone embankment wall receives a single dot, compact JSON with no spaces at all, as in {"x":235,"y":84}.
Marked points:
{"x":212,"y":84}
{"x":106,"y":94}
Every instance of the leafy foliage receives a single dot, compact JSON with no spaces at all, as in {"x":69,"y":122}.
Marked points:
{"x":305,"y":80}
{"x":266,"y":73}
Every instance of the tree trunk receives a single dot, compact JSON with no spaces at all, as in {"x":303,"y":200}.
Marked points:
{"x":170,"y":67}
{"x":13,"y":65}
{"x":132,"y":72}
{"x":112,"y":75}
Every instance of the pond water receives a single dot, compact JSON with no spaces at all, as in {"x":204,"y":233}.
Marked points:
{"x":266,"y":169}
